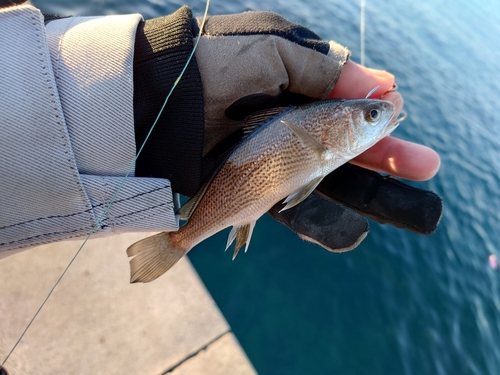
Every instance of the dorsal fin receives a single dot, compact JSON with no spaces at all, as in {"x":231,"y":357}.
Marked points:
{"x":257,"y":119}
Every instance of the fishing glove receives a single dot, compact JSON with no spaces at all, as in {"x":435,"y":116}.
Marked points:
{"x":244,"y":63}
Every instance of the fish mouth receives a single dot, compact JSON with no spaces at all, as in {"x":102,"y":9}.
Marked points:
{"x":397,"y":100}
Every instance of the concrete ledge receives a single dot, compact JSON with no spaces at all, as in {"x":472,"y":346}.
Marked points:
{"x":97,"y":323}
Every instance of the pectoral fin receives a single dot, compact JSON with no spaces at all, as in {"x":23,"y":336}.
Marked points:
{"x":243,"y":234}
{"x":308,"y":140}
{"x":300,"y":194}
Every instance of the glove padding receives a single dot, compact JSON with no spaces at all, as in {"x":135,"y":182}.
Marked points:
{"x":383,"y":198}
{"x":327,"y":218}
{"x":317,"y":219}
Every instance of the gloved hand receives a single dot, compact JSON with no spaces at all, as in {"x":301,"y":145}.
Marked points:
{"x":248,"y":62}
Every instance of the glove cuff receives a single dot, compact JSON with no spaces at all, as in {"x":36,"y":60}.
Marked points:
{"x":162,"y":47}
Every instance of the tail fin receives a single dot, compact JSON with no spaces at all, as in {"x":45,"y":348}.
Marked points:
{"x":153,"y":257}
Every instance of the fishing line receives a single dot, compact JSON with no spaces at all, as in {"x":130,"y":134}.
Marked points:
{"x":362,"y":31}
{"x":131,"y":167}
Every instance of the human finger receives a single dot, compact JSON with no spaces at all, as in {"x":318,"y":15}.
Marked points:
{"x":356,"y":81}
{"x":400,"y":158}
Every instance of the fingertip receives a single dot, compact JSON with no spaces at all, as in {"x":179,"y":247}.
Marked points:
{"x":432,"y":162}
{"x":414,"y":161}
{"x":356,"y":81}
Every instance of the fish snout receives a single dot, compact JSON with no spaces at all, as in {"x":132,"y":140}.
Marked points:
{"x":395,"y":98}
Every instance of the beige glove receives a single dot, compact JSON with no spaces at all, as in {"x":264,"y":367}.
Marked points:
{"x":254,"y":60}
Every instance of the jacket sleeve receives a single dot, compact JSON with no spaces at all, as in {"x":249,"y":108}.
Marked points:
{"x":67,"y":131}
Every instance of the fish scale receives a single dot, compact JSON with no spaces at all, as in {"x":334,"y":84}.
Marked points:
{"x":286,"y":156}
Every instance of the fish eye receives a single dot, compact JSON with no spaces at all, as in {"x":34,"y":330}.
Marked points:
{"x":372,"y":115}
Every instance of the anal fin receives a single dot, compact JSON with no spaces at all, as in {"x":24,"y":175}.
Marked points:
{"x":242,"y":234}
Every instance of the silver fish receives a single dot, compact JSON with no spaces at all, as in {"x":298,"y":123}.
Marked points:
{"x":286,"y":154}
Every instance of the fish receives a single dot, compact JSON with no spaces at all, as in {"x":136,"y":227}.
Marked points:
{"x":285,"y":155}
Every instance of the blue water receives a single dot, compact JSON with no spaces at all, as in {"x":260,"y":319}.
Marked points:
{"x":400,"y":303}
